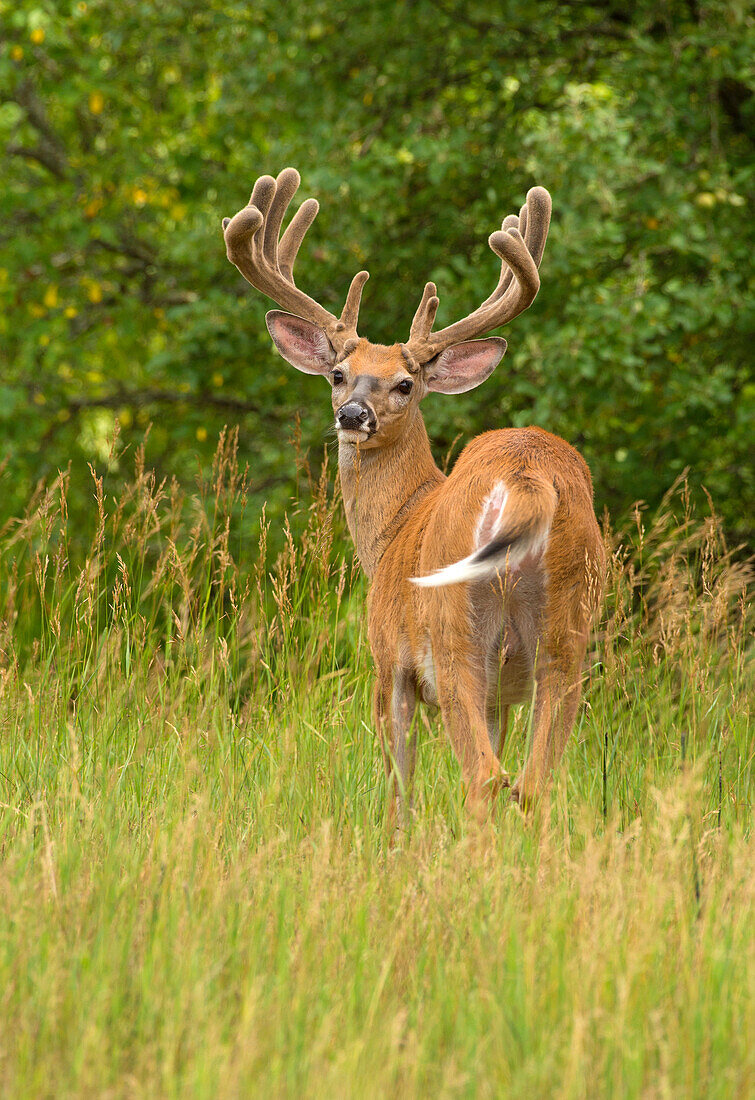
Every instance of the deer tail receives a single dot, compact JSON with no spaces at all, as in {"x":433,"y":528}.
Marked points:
{"x":513,"y":525}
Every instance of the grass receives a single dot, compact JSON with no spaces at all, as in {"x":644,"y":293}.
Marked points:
{"x":197,"y":897}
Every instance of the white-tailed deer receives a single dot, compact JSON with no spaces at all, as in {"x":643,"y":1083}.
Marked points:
{"x":483,"y":581}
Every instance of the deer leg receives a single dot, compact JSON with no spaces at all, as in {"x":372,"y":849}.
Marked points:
{"x":399,"y":745}
{"x":574,"y":595}
{"x":557,"y":697}
{"x":463,"y":706}
{"x":381,"y":706}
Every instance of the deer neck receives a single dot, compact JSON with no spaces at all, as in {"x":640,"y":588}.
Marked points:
{"x":381,"y":486}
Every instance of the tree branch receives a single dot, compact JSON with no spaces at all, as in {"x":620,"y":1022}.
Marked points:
{"x":53,"y":147}
{"x":46,"y":155}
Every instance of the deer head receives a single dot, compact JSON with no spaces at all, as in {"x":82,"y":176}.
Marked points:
{"x":376,"y":390}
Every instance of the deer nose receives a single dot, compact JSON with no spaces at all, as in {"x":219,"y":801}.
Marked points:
{"x":352,"y":416}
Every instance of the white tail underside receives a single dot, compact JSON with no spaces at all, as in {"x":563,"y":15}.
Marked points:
{"x":502,"y":540}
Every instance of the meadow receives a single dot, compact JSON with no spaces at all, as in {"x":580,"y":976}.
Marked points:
{"x":198,"y":895}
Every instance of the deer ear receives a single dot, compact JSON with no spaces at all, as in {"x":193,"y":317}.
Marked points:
{"x":464,"y":366}
{"x":303,"y":344}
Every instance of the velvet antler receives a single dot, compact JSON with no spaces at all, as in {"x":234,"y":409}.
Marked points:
{"x":520,"y":243}
{"x":267,"y":262}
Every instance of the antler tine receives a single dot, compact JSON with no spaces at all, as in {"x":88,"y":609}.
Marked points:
{"x":512,"y":248}
{"x":425,"y":315}
{"x":286,"y":186}
{"x":534,"y":220}
{"x":261,"y":198}
{"x":253,"y":245}
{"x":294,"y":234}
{"x":350,"y":312}
{"x":521,"y":223}
{"x":520,"y":244}
{"x":511,"y":221}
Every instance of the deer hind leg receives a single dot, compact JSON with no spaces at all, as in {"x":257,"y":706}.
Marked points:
{"x":574,"y":599}
{"x":463,"y":703}
{"x":395,"y":703}
{"x":557,"y":696}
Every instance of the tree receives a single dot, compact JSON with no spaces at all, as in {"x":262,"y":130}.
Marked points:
{"x":417,"y":125}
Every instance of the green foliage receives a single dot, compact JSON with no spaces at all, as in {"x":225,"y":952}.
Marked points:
{"x":130,"y":129}
{"x":197,"y":893}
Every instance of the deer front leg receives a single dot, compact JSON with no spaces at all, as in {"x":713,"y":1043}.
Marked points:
{"x":396,"y":700}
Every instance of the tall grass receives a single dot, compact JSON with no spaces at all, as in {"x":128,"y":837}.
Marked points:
{"x":197,"y":894}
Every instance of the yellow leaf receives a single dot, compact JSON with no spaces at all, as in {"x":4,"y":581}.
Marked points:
{"x":40,"y":399}
{"x":17,"y":53}
{"x":139,"y":195}
{"x":37,"y":36}
{"x":94,"y":291}
{"x":201,"y":434}
{"x":217,"y":379}
{"x":51,"y":297}
{"x":70,"y":311}
{"x":96,"y":103}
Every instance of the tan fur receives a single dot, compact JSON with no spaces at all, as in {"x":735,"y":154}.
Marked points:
{"x":490,"y":639}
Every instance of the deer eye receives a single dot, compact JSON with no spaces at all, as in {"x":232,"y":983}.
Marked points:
{"x":405,"y":386}
{"x":337,"y":377}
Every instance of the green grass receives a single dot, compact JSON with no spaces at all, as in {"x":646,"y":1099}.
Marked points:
{"x":197,"y":893}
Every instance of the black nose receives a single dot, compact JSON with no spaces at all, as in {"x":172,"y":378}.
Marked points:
{"x":352,"y":415}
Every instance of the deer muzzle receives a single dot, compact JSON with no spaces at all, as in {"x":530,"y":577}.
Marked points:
{"x":356,"y":417}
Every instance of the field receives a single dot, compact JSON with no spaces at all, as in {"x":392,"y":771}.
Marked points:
{"x":198,"y":896}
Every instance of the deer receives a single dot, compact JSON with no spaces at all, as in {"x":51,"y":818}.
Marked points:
{"x":484,"y":582}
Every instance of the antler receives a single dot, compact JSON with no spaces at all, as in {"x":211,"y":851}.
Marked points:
{"x":252,"y":244}
{"x":520,"y":243}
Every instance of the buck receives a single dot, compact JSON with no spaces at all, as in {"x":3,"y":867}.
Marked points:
{"x":484,"y":582}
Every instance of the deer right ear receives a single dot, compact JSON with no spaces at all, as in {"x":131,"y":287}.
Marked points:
{"x":301,"y":343}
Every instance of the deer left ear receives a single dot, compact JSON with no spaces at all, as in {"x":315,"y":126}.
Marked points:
{"x":464,"y":366}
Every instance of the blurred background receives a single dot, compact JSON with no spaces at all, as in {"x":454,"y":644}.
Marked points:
{"x":129,"y":129}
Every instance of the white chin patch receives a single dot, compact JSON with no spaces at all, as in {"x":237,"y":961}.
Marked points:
{"x":348,"y":436}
